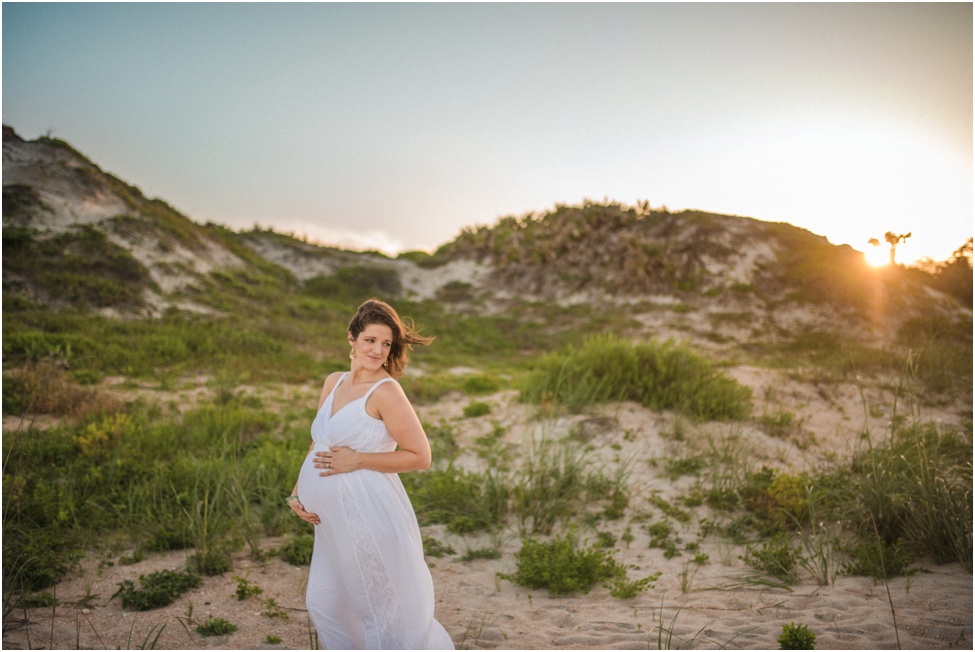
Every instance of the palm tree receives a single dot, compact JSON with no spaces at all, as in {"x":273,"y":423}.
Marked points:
{"x":893,"y":240}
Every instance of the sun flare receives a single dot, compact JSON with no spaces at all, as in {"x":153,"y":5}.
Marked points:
{"x":876,"y":255}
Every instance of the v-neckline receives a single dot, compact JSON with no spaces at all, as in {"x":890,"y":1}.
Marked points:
{"x":332,"y":412}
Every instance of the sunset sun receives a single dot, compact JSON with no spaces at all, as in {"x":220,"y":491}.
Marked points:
{"x":876,"y":255}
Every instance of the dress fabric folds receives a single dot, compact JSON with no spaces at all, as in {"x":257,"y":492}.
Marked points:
{"x":368,"y":586}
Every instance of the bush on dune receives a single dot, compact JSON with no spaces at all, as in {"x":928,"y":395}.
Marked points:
{"x":660,"y":376}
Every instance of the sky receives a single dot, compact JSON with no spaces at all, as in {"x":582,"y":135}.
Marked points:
{"x":395,"y":126}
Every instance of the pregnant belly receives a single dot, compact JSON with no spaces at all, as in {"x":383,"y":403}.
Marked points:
{"x":316,"y":492}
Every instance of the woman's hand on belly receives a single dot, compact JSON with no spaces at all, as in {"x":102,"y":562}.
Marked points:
{"x":337,"y":459}
{"x":304,"y":514}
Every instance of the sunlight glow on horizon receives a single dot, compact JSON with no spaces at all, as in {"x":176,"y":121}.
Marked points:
{"x":393,"y":127}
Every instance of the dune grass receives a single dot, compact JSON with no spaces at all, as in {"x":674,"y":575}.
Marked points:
{"x":903,"y":498}
{"x":197,"y":481}
{"x":660,"y":376}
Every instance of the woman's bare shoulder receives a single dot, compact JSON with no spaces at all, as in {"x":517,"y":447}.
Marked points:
{"x":329,"y":385}
{"x":332,"y":378}
{"x":391,"y":394}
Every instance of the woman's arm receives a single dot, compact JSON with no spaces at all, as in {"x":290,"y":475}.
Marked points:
{"x":413,"y":453}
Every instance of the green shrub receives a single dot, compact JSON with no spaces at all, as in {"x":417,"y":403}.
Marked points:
{"x":245,"y":589}
{"x":481,"y":384}
{"x":297,"y":551}
{"x":209,"y":563}
{"x":556,"y":482}
{"x":605,"y":539}
{"x":436,"y":548}
{"x":940,"y":349}
{"x":878,"y":560}
{"x":624,"y":588}
{"x":216,"y":627}
{"x":776,"y":556}
{"x":35,"y":556}
{"x":662,"y":536}
{"x":797,"y":637}
{"x":134,"y":558}
{"x":659,"y":376}
{"x":679,"y":466}
{"x":466,"y":502}
{"x":562,"y":567}
{"x":357,"y":282}
{"x":80,"y":266}
{"x":37,"y":600}
{"x":273,"y":610}
{"x":916,"y":486}
{"x":476,"y":409}
{"x":158,"y":589}
{"x":481,"y":553}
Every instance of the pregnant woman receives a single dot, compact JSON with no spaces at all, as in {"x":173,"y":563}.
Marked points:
{"x":368,"y":586}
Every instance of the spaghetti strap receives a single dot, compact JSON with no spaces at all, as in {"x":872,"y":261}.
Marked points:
{"x":373,"y":388}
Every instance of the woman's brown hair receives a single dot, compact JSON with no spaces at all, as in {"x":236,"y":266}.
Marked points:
{"x":405,"y":334}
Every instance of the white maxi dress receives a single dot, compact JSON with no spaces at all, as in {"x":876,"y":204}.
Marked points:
{"x":368,"y":586}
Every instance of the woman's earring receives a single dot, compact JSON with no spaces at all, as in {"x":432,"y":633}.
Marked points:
{"x":352,"y":354}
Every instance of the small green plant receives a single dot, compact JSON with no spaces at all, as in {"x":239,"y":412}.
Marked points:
{"x":273,"y":610}
{"x":625,"y":588}
{"x":679,"y":466}
{"x":476,"y":409}
{"x":435,"y":548}
{"x":212,"y":562}
{"x":605,"y":539}
{"x":481,"y":384}
{"x":297,"y":552}
{"x":776,"y":557}
{"x":134,"y":558}
{"x":245,"y":589}
{"x":619,"y":500}
{"x":562,"y":567}
{"x":272,"y":639}
{"x":660,"y":537}
{"x":627,"y":536}
{"x":216,"y":627}
{"x":678,"y":514}
{"x":878,"y":560}
{"x":481,"y":553}
{"x":797,"y":637}
{"x":780,"y":423}
{"x":39,"y":599}
{"x":158,"y":589}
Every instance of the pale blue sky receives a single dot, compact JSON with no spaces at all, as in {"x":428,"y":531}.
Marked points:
{"x":394,"y":126}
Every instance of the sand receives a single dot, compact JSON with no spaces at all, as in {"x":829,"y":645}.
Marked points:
{"x":718,"y":604}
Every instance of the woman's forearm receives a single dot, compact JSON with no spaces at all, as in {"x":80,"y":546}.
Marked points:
{"x":398,"y":461}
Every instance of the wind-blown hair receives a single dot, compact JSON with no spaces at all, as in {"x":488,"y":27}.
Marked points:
{"x":405,"y":334}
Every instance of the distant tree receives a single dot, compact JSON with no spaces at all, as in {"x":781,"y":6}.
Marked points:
{"x":893,"y":240}
{"x":954,"y":276}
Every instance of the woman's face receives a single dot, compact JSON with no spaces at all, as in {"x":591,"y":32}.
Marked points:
{"x":372,"y":346}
